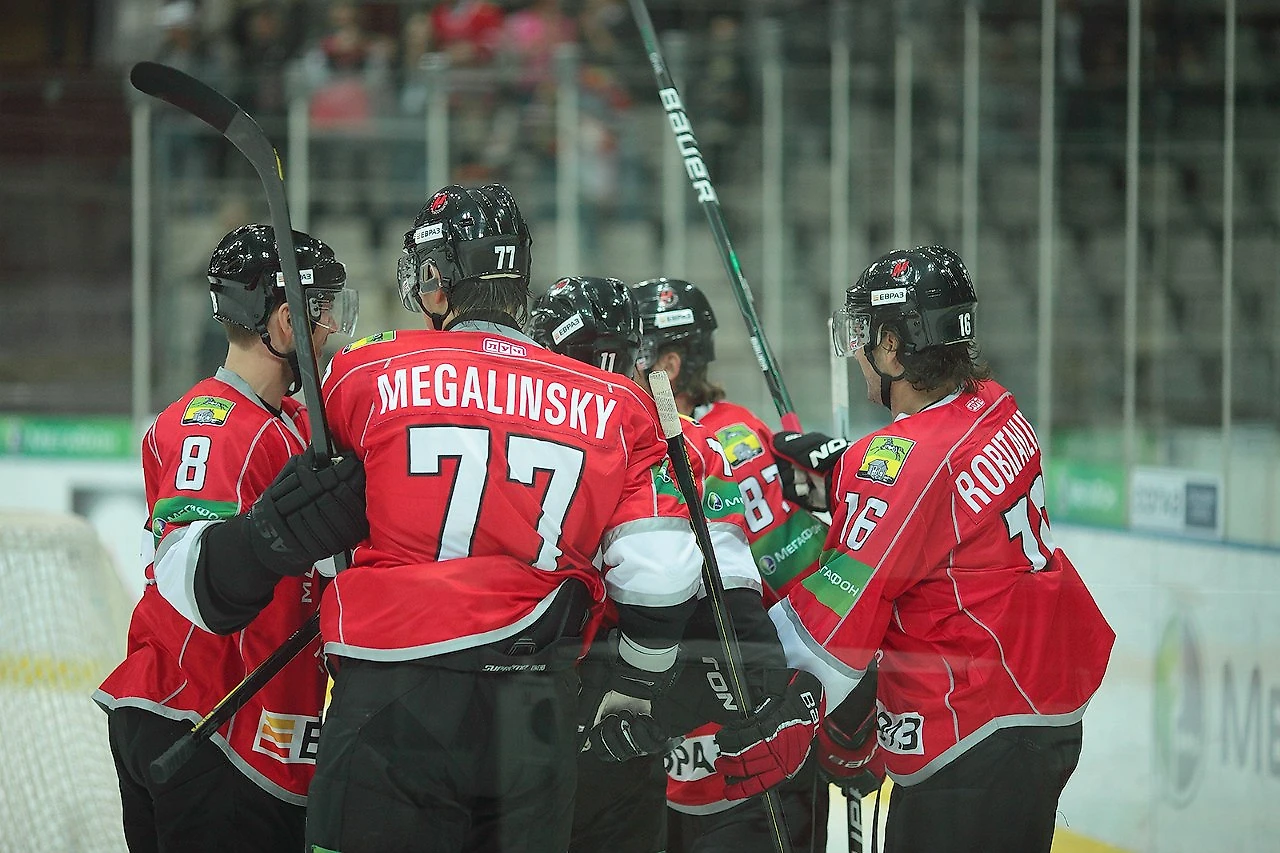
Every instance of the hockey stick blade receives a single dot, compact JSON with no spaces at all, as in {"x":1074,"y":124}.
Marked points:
{"x":184,"y":92}
{"x":223,"y":115}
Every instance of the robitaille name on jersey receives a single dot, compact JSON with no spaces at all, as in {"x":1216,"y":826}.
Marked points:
{"x":998,"y":464}
{"x":498,"y":392}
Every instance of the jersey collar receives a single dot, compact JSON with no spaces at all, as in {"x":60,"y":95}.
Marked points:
{"x":934,"y":405}
{"x":493,"y":329}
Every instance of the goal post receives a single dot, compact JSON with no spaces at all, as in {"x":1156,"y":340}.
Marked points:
{"x":63,"y":622}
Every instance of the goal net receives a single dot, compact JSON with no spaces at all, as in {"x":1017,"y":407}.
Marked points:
{"x":63,"y":620}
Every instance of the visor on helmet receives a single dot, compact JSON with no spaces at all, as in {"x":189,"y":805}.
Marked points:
{"x":850,"y":330}
{"x":335,"y":310}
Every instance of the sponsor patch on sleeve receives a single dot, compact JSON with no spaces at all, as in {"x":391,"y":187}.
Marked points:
{"x":883,"y":461}
{"x":207,"y":411}
{"x":378,"y":338}
{"x":838,"y":582}
{"x":740,"y":443}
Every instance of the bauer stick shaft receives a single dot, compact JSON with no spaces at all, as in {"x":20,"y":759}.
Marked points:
{"x":700,"y":178}
{"x":225,"y":116}
{"x":669,"y":418}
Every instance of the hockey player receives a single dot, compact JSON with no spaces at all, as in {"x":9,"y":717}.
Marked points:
{"x":622,"y":808}
{"x":497,"y":471}
{"x":230,"y":570}
{"x":941,"y":565}
{"x":785,"y":542}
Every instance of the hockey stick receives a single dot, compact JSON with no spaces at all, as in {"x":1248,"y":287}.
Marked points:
{"x":700,"y":178}
{"x":669,"y":418}
{"x":223,"y":115}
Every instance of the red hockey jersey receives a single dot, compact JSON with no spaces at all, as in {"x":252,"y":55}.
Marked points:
{"x":785,"y":542}
{"x":941,"y":560}
{"x":208,"y":457}
{"x":497,"y":470}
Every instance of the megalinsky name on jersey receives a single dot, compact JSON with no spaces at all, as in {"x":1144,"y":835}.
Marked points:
{"x":500,"y":392}
{"x":998,"y":463}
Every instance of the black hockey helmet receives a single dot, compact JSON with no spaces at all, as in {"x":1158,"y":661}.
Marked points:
{"x":924,"y":294}
{"x":466,"y":234}
{"x":246,"y":283}
{"x":676,"y":312}
{"x":595,"y":320}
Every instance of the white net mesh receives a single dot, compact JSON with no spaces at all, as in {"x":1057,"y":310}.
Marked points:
{"x":63,"y":619}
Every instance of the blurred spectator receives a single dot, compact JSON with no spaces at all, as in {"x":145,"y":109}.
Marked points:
{"x":182,"y":44}
{"x":266,"y":36}
{"x":183,"y":152}
{"x":1070,"y":28}
{"x":348,"y":70}
{"x":605,"y":27}
{"x":348,"y":74}
{"x":530,"y":38}
{"x":413,"y":90}
{"x":719,"y":99}
{"x":468,"y":30}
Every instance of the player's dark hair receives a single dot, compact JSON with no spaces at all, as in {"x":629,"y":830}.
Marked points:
{"x":478,"y":298}
{"x":239,"y":335}
{"x":958,"y":366}
{"x":692,"y":380}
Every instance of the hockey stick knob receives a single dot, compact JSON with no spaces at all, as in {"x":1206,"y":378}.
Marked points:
{"x":169,"y":763}
{"x":665,"y":400}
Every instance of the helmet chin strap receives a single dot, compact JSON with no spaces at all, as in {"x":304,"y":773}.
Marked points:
{"x":295,"y":382}
{"x":886,"y":381}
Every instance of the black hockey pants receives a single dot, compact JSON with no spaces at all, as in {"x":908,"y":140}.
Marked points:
{"x":207,"y":807}
{"x":1000,"y":796}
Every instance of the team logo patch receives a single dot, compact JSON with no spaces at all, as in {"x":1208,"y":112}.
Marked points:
{"x":438,"y":201}
{"x":288,"y":738}
{"x":667,"y":319}
{"x":207,"y":411}
{"x":378,"y":338}
{"x":740,"y":444}
{"x":558,"y":287}
{"x":883,"y":461}
{"x":900,"y":269}
{"x":667,"y":296}
{"x":501,"y":347}
{"x":974,"y":404}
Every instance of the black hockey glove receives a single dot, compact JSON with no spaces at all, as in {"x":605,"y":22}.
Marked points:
{"x":308,"y":513}
{"x":626,"y":734}
{"x":805,"y":462}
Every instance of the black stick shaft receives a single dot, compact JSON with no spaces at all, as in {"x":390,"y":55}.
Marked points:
{"x":700,"y":178}
{"x":225,"y":116}
{"x":163,"y":768}
{"x":660,"y":383}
